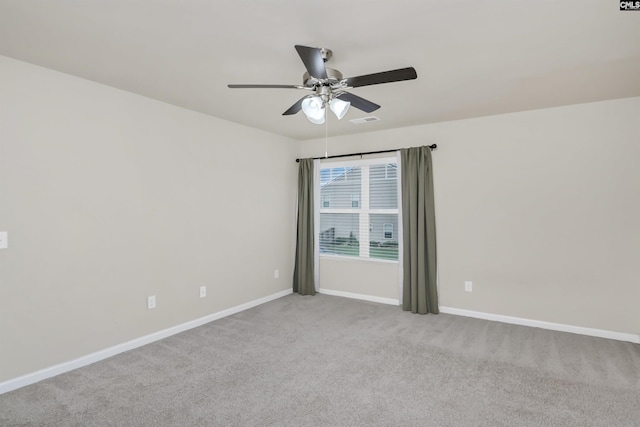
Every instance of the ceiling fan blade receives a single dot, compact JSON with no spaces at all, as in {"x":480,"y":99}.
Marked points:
{"x":313,"y":61}
{"x":401,"y":74}
{"x":294,"y":108}
{"x":359,"y":103}
{"x":264,"y":86}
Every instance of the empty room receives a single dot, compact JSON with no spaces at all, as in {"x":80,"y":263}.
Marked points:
{"x":336,"y":213}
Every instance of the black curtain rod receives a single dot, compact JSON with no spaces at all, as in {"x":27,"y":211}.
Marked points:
{"x":432,"y":146}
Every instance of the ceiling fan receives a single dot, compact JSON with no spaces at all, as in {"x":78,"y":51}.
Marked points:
{"x":328,"y":87}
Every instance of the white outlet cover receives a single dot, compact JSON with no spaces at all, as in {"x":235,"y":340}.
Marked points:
{"x":203,"y":291}
{"x":468,"y":286}
{"x":151,"y":302}
{"x":4,"y":240}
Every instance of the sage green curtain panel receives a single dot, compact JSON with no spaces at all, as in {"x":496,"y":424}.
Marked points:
{"x":303,"y":273}
{"x":419,"y":282}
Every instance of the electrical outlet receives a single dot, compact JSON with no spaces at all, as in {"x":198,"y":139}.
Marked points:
{"x":203,"y":291}
{"x":468,"y":286}
{"x":151,"y":302}
{"x":276,"y":274}
{"x":4,"y":240}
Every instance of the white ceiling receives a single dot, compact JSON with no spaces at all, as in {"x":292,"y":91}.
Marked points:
{"x":473,"y":57}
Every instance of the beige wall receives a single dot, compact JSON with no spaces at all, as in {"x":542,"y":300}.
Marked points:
{"x":539,"y":209}
{"x":372,"y":278}
{"x":109,"y":197}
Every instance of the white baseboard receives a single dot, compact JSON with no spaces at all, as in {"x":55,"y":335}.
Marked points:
{"x":61,"y":368}
{"x":619,"y":336}
{"x":371,"y":298}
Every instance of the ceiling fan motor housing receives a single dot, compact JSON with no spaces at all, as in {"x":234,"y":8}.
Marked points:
{"x":333,"y":78}
{"x":326,"y":54}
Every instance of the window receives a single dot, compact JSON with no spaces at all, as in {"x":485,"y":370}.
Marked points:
{"x":363,"y":213}
{"x":387,"y":171}
{"x":387,"y":230}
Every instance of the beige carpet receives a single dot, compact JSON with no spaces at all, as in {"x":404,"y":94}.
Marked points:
{"x":330,"y":361}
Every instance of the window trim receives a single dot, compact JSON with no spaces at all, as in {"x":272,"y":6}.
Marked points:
{"x":329,"y":163}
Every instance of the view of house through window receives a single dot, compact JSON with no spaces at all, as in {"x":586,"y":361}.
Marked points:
{"x":361,"y":219}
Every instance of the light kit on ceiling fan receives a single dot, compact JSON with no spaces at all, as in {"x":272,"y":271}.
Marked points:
{"x":314,"y":107}
{"x":329,"y":87}
{"x":339,"y":107}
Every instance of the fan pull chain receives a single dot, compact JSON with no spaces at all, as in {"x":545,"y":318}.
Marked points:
{"x":326,"y":133}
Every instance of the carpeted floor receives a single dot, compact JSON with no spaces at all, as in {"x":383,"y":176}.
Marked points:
{"x":330,"y":361}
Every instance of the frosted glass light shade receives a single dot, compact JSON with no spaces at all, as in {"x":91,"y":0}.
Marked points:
{"x":339,"y":107}
{"x":312,"y":107}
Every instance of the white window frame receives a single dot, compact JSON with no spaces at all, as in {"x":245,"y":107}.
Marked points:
{"x":363,"y":211}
